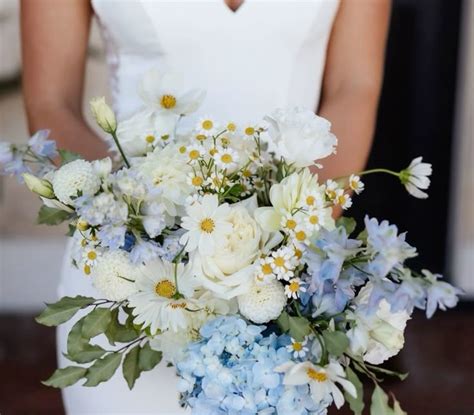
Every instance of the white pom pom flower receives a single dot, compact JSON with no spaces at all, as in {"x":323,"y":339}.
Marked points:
{"x":114,"y":275}
{"x":263,"y":303}
{"x":76,"y":177}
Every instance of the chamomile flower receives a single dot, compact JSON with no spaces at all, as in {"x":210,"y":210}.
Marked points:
{"x":91,"y":255}
{"x":342,"y":199}
{"x":195,"y":179}
{"x":216,"y":181}
{"x":226,"y":158}
{"x":283,"y":263}
{"x":315,"y":218}
{"x":207,"y":126}
{"x":301,"y":235}
{"x":331,"y":189}
{"x":289,"y":222}
{"x":297,"y":348}
{"x":294,"y":288}
{"x":264,"y":271}
{"x":312,"y":200}
{"x":206,"y":225}
{"x":356,"y":184}
{"x":231,"y":127}
{"x":194,"y":153}
{"x":224,"y":140}
{"x":200,"y":138}
{"x":249,"y":131}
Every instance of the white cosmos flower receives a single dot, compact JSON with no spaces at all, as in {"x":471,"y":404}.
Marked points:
{"x":156,"y":303}
{"x":321,"y":380}
{"x":206,"y":224}
{"x":296,"y":125}
{"x":164,"y":92}
{"x":416,"y":178}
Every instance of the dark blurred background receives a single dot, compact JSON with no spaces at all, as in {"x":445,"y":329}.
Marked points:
{"x":426,"y":109}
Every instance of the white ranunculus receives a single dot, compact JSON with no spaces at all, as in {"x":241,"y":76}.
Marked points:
{"x":289,"y":195}
{"x":300,"y":136}
{"x":103,"y":114}
{"x":380,"y":335}
{"x":229,"y":271}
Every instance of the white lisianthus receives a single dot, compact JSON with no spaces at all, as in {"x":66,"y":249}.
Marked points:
{"x":262,"y":303}
{"x":321,"y":380}
{"x":74,"y":178}
{"x":229,"y":271}
{"x":206,"y":225}
{"x":164,"y":92}
{"x":114,"y":275}
{"x":162,"y":301}
{"x":103,"y":115}
{"x":300,"y":136}
{"x":292,"y":194}
{"x":380,"y":335}
{"x":416,"y":178}
{"x":166,"y":174}
{"x":39,"y":186}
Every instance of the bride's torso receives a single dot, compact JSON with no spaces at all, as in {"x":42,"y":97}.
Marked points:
{"x":265,"y":55}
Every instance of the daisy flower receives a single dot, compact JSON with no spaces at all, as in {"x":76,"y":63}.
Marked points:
{"x":216,"y":181}
{"x":231,"y":127}
{"x":265,"y":272}
{"x":283,"y":263}
{"x":289,"y":222}
{"x":312,"y":200}
{"x":206,"y":225}
{"x":415,"y":178}
{"x":158,"y":304}
{"x":90,"y":256}
{"x":356,"y":184}
{"x":207,"y":126}
{"x":298,"y":349}
{"x":226,"y":158}
{"x":330,"y":189}
{"x":301,"y":235}
{"x":195,"y":179}
{"x":342,"y":199}
{"x":294,"y":287}
{"x":316,"y":219}
{"x":194,"y":152}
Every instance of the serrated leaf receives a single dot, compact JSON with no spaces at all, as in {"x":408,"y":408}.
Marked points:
{"x":68,"y":156}
{"x":148,"y":358}
{"x":61,"y":311}
{"x":51,"y":216}
{"x":299,"y":327}
{"x":283,"y":321}
{"x":131,"y":369}
{"x":96,"y":322}
{"x":122,"y":333}
{"x":356,"y":404}
{"x":336,"y":342}
{"x":349,"y":224}
{"x":65,"y":377}
{"x":79,"y":349}
{"x":103,"y":369}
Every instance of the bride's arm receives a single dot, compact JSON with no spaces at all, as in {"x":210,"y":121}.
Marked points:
{"x":352,"y":82}
{"x":54,"y":40}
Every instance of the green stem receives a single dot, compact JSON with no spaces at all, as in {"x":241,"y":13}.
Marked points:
{"x":117,"y":143}
{"x":387,"y":171}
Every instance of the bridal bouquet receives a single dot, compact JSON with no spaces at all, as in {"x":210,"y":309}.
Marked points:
{"x":215,"y":249}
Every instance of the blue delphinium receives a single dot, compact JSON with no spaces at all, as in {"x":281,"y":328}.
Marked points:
{"x":231,"y":371}
{"x":41,"y":145}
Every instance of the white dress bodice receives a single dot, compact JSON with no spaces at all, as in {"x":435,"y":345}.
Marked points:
{"x":266,"y":55}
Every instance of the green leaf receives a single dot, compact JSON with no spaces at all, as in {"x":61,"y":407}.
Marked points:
{"x":63,"y":310}
{"x":349,"y":224}
{"x":96,"y":322}
{"x":131,"y":368}
{"x":397,"y":410}
{"x":68,"y":156}
{"x":103,"y":369}
{"x":148,"y":358}
{"x":51,"y":216}
{"x":79,"y":349}
{"x":65,"y":377}
{"x":283,"y":321}
{"x":299,"y":327}
{"x":122,"y":333}
{"x":363,"y":236}
{"x":356,"y":404}
{"x":336,"y":342}
{"x":380,"y":405}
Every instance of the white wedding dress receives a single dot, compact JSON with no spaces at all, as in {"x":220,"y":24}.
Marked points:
{"x":265,"y":55}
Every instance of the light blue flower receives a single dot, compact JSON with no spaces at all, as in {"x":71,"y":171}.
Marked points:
{"x":440,"y":294}
{"x":112,"y":236}
{"x":6,"y":152}
{"x":41,"y":145}
{"x":145,"y":251}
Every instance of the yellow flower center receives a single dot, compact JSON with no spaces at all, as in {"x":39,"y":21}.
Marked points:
{"x":331,"y":194}
{"x":279,"y":262}
{"x":297,"y":346}
{"x":201,"y":137}
{"x":213,"y":151}
{"x":165,"y":288}
{"x":300,"y":235}
{"x":87,"y":269}
{"x":291,"y":224}
{"x":91,"y":255}
{"x":226,"y":158}
{"x":150,"y":139}
{"x":315,"y":375}
{"x":231,"y":126}
{"x":298,"y":253}
{"x":225,"y":141}
{"x":341,"y":199}
{"x":182,"y":149}
{"x":246,"y":173}
{"x":194,"y":154}
{"x":294,"y":286}
{"x":197,"y":181}
{"x":267,"y":269}
{"x":250,"y":131}
{"x":353,"y":184}
{"x":207,"y":225}
{"x":310,"y":200}
{"x":207,"y":124}
{"x":168,"y":101}
{"x":313,"y":219}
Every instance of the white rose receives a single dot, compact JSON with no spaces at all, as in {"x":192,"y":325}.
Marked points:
{"x":229,"y":271}
{"x":380,"y":335}
{"x":299,"y":136}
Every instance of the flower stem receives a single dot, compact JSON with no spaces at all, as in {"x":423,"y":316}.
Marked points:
{"x":387,"y":171}
{"x":117,"y":143}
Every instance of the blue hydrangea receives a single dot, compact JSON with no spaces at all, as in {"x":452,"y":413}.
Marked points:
{"x":231,"y":370}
